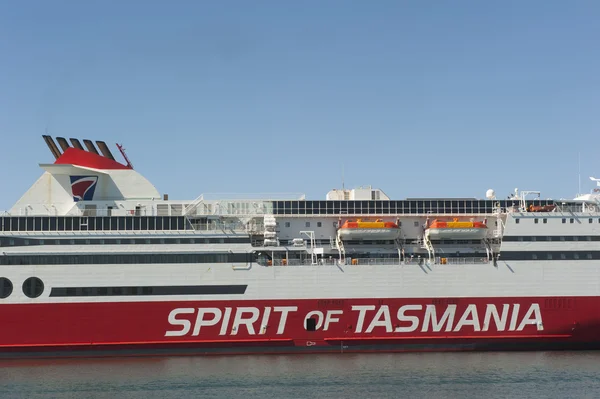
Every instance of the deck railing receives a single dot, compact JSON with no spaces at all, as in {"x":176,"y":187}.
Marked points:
{"x":377,"y":261}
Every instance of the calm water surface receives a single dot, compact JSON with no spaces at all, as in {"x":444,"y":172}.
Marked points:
{"x":429,"y":375}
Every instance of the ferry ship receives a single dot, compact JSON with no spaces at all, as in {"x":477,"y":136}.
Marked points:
{"x":95,"y":261}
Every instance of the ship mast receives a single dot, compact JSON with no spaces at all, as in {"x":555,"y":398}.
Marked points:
{"x":122,"y":150}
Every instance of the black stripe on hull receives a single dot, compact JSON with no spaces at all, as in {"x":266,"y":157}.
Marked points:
{"x":149,"y":290}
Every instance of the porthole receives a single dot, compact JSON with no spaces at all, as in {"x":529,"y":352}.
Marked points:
{"x":6,"y":287}
{"x":33,"y":287}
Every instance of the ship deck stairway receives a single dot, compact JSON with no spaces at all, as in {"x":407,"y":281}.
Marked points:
{"x":489,"y":250}
{"x":192,"y":208}
{"x":428,"y":246}
{"x":338,"y":244}
{"x":400,"y":247}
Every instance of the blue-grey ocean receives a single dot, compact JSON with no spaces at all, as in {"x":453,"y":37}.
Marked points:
{"x":425,"y":375}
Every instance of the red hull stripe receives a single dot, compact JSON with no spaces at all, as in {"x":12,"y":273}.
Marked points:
{"x":267,"y":326}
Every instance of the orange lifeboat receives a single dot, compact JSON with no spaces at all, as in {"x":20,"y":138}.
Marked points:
{"x":541,"y":208}
{"x":440,"y":230}
{"x":365,"y":230}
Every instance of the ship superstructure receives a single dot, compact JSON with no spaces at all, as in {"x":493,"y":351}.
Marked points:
{"x":94,"y":259}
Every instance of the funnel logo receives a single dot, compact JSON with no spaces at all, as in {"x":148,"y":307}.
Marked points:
{"x":83,"y":187}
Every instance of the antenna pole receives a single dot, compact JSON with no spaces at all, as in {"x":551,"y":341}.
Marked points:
{"x":122,"y":150}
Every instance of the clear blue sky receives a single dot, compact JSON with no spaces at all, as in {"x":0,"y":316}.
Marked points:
{"x":419,"y":98}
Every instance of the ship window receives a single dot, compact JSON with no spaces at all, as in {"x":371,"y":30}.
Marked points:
{"x":544,"y":220}
{"x":535,"y":220}
{"x":319,"y":224}
{"x":589,"y":256}
{"x":575,"y":255}
{"x":416,"y":224}
{"x":563,"y":257}
{"x":287,"y":224}
{"x":33,"y":287}
{"x":549,"y":256}
{"x":571,"y":220}
{"x":307,"y":224}
{"x":311,"y":324}
{"x":591,"y":220}
{"x":517,"y":221}
{"x":561,"y":238}
{"x":6,"y":287}
{"x":534,"y":256}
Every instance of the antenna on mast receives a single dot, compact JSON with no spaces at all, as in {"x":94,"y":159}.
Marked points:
{"x":122,"y":150}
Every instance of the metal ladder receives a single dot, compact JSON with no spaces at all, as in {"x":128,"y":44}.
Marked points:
{"x":340,"y":247}
{"x":429,"y":247}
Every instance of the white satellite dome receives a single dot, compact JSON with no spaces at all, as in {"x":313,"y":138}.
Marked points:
{"x":490,"y":194}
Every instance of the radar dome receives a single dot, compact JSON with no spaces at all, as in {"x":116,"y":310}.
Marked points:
{"x":490,"y":194}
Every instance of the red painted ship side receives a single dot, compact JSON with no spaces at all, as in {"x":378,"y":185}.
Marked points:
{"x":361,"y":325}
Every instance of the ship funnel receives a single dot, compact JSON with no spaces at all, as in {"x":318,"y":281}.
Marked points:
{"x":105,"y":151}
{"x":52,"y":146}
{"x":76,"y":143}
{"x":63,"y":143}
{"x":90,"y":146}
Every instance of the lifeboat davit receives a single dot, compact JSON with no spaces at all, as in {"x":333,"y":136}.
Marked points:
{"x":440,"y":230}
{"x":377,"y":230}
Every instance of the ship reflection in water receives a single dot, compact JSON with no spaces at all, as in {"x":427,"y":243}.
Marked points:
{"x":425,"y":375}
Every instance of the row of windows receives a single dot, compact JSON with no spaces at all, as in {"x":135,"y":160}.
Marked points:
{"x":368,"y":242}
{"x":307,"y":224}
{"x":396,"y":207}
{"x":102,"y":259}
{"x":149,"y":290}
{"x":563,"y":220}
{"x":33,"y":287}
{"x":549,"y":255}
{"x":93,"y":223}
{"x":550,"y":238}
{"x":7,"y":242}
